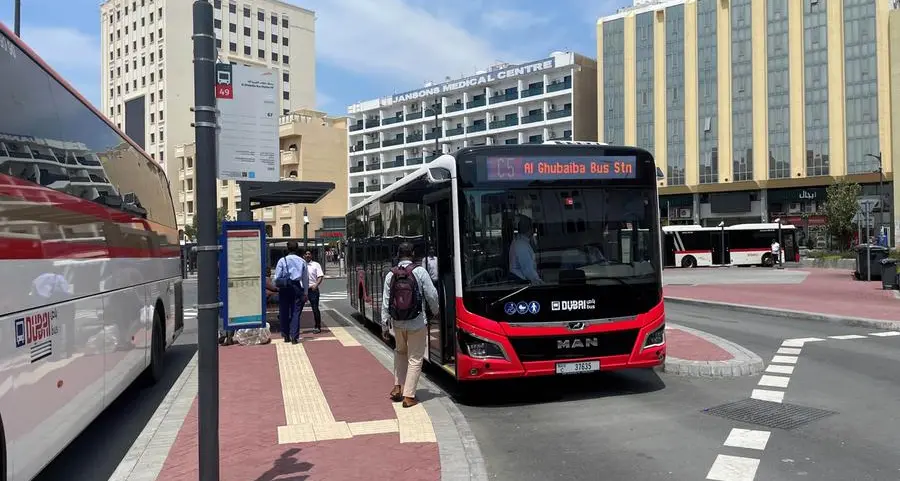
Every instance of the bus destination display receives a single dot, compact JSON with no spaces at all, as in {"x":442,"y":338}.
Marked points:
{"x":561,"y":168}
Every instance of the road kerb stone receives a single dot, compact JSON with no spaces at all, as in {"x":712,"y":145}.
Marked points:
{"x":790,"y":314}
{"x":744,"y":362}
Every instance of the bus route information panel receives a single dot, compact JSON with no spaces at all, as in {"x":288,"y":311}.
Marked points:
{"x":243,"y":273}
{"x":562,"y":168}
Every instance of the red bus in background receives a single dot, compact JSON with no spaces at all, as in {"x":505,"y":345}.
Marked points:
{"x":591,"y":300}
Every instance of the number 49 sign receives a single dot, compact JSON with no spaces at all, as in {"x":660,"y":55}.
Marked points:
{"x":224,"y":89}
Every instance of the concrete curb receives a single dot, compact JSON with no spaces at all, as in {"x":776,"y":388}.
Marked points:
{"x":744,"y":363}
{"x":790,"y":314}
{"x":461,"y":458}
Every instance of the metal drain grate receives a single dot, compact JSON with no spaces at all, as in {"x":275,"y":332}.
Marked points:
{"x":769,"y":414}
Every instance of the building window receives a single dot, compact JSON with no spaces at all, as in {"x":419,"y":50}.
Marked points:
{"x":286,"y":95}
{"x":675,"y":156}
{"x":246,"y":12}
{"x":285,"y":77}
{"x":613,"y":81}
{"x":232,"y":8}
{"x":232,"y":46}
{"x":861,"y":85}
{"x":261,"y":16}
{"x":643,"y":60}
{"x":261,"y":35}
{"x":815,"y":65}
{"x":218,"y":43}
{"x":247,"y":50}
{"x":285,"y":60}
{"x":217,"y":23}
{"x":232,"y":28}
{"x":286,"y":230}
{"x":261,"y":53}
{"x":284,"y":22}
{"x":274,"y":57}
{"x":246,"y":31}
{"x":274,"y":20}
{"x":708,"y":88}
{"x":778,"y":89}
{"x":274,"y":38}
{"x":741,"y":91}
{"x":284,"y":41}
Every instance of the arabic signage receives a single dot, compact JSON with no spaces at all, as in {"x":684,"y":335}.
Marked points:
{"x":511,"y":72}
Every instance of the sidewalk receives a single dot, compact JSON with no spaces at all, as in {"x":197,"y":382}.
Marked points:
{"x":818,"y":292}
{"x":690,"y":352}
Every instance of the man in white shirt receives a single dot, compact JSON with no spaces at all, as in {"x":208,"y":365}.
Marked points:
{"x":292,"y":271}
{"x":316,"y":276}
{"x":776,"y":253}
{"x":522,"y":264}
{"x":410,"y":334}
{"x":430,"y":264}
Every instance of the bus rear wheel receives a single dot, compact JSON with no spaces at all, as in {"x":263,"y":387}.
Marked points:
{"x":155,"y":370}
{"x":688,"y":262}
{"x":768,"y":260}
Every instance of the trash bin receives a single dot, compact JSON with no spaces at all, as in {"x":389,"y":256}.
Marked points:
{"x":889,"y":274}
{"x":876,"y":254}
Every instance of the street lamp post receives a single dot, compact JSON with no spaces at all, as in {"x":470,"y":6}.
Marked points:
{"x":305,"y":229}
{"x":778,"y":264}
{"x":17,"y":22}
{"x":722,"y":254}
{"x":880,"y":191}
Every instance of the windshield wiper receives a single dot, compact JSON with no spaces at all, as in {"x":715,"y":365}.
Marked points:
{"x":517,"y":291}
{"x":617,"y":279}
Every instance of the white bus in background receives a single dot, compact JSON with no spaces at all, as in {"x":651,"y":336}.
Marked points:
{"x":745,"y":245}
{"x":90,"y":271}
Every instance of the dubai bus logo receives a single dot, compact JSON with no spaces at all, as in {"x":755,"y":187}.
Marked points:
{"x":35,"y":327}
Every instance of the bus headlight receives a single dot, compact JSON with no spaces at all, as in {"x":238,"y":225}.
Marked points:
{"x":656,"y":338}
{"x":479,"y":348}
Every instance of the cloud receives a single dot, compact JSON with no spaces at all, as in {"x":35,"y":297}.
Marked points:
{"x":510,"y":19}
{"x":75,"y":55}
{"x":395,"y":40}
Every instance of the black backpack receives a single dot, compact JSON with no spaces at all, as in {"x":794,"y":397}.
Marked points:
{"x":405,"y":299}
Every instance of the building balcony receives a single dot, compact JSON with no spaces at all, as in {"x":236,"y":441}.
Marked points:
{"x":564,"y":137}
{"x":392,"y":142}
{"x":557,"y":86}
{"x":455,"y":107}
{"x":510,"y":122}
{"x":456,"y":131}
{"x":357,"y":148}
{"x":414,"y":116}
{"x":474,"y":104}
{"x":392,"y":120}
{"x":289,"y":157}
{"x":393,"y":163}
{"x":373,"y":166}
{"x":536,"y":90}
{"x":431,"y":112}
{"x":558,"y":114}
{"x":357,"y":168}
{"x":413,"y":138}
{"x":433,"y":135}
{"x":528,"y":119}
{"x":356,"y":190}
{"x":355,"y":127}
{"x":431,"y":157}
{"x":476,"y":128}
{"x":373,"y":145}
{"x":506,"y":97}
{"x":372,"y":123}
{"x":373,"y":188}
{"x":536,"y":139}
{"x":414,"y":161}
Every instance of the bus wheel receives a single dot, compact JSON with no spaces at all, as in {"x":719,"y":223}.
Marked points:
{"x":155,"y":371}
{"x":688,"y":262}
{"x":768,"y":260}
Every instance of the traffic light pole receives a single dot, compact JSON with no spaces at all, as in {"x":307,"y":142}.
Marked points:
{"x":208,"y":246}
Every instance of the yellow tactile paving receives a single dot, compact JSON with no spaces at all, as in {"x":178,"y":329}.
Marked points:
{"x":415,"y":424}
{"x":304,"y":400}
{"x":343,"y":336}
{"x":297,"y":433}
{"x":338,"y":430}
{"x":323,"y":338}
{"x":374,"y":427}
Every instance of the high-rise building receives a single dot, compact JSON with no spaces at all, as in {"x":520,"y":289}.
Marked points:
{"x":753,"y":107}
{"x":550,"y":98}
{"x":147,"y":81}
{"x":313,"y":147}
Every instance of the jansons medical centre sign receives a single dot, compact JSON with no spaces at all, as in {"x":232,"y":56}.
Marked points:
{"x":490,"y":77}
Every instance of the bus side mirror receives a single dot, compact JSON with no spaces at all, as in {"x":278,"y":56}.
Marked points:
{"x":660,"y":174}
{"x":438,"y":174}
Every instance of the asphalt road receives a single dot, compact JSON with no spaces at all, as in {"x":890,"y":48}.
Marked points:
{"x":95,"y":454}
{"x":629,"y":425}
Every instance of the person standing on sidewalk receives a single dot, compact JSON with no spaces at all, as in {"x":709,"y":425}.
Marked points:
{"x":402,"y":305}
{"x":292,"y":280}
{"x":776,"y":253}
{"x":316,"y":276}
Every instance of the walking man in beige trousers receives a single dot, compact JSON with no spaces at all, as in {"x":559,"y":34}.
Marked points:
{"x":407,"y":288}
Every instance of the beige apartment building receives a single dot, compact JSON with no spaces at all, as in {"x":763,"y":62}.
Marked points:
{"x":147,"y":82}
{"x":313,"y":148}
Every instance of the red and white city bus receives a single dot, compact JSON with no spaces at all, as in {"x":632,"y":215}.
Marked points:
{"x":89,"y":263}
{"x":744,"y":245}
{"x":594,"y":301}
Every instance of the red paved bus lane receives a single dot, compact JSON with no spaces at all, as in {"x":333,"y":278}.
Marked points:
{"x":313,"y":411}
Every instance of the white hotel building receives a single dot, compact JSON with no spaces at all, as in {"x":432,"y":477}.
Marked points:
{"x":549,"y":99}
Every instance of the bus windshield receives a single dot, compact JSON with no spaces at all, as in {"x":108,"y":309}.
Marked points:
{"x":530,"y":243}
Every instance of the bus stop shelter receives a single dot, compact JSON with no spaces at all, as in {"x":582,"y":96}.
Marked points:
{"x":259,"y":195}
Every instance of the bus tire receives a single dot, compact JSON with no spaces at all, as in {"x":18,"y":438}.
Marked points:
{"x":688,"y":262}
{"x":4,"y":463}
{"x":768,"y":260}
{"x":155,"y":370}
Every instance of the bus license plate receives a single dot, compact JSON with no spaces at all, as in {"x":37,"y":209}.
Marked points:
{"x":577,"y":367}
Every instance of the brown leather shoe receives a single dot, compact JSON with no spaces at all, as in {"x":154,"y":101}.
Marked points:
{"x":409,"y":402}
{"x":396,"y":394}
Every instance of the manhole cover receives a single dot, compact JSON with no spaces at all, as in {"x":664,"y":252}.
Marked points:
{"x":769,"y":414}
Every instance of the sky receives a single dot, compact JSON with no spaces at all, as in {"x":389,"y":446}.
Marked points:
{"x":365,"y":49}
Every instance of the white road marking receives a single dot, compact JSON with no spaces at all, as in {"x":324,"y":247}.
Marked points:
{"x":848,"y":336}
{"x":768,"y":395}
{"x":791,"y":351}
{"x":774,"y":381}
{"x":784,"y":359}
{"x":779,"y":369}
{"x":733,"y":468}
{"x":800,"y":341}
{"x":747,"y":439}
{"x":885,"y":334}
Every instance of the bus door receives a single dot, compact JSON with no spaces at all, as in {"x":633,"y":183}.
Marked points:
{"x":441,"y":330}
{"x":720,"y":256}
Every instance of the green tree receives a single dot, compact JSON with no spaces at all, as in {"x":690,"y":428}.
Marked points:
{"x":192,"y":230}
{"x":840,"y":206}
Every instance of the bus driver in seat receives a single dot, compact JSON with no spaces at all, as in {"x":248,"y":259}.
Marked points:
{"x":522,"y":262}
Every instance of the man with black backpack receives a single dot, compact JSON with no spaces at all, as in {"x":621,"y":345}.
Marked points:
{"x":407,"y":287}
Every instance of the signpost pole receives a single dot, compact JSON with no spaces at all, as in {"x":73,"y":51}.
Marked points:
{"x":17,"y":14}
{"x":208,"y":246}
{"x":868,"y":244}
